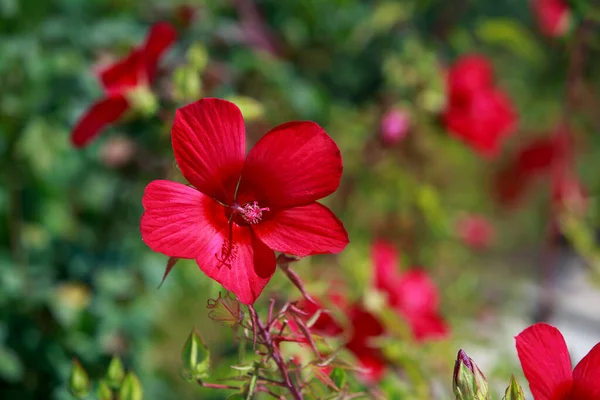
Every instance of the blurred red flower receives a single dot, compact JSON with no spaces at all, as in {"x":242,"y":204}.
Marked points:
{"x":553,"y":16}
{"x":477,"y":112}
{"x":364,"y":327}
{"x":411,"y":293}
{"x":475,"y":231}
{"x":543,"y":157}
{"x":119,"y":79}
{"x":547,"y":366}
{"x":241,"y":208}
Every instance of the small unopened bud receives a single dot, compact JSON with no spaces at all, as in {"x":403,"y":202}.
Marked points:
{"x":115,"y":373}
{"x":79,"y":383}
{"x":104,"y":392}
{"x":131,"y":388}
{"x":196,"y":357}
{"x":394,"y":126}
{"x":469,"y":383}
{"x":514,"y":391}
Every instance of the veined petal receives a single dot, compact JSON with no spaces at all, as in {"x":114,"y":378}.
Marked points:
{"x":162,"y":35}
{"x":209,"y":144}
{"x":545,"y":361}
{"x":301,"y":231}
{"x":178,"y":220}
{"x":101,"y":114}
{"x":239,"y":261}
{"x":586,"y":377}
{"x":293,"y":165}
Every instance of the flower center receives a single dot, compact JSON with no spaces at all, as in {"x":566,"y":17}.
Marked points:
{"x":251,"y":212}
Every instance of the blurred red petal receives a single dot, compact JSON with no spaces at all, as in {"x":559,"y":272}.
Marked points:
{"x":162,"y":35}
{"x":293,"y":165}
{"x":386,"y":263}
{"x":125,"y":74}
{"x":470,"y":73}
{"x":209,"y":144}
{"x":545,"y":361}
{"x":302,"y":231}
{"x":98,"y":117}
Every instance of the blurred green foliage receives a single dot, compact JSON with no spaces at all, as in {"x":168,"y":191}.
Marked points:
{"x":76,"y":279}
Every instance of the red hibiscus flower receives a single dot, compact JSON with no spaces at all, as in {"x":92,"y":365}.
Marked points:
{"x":412,"y":293}
{"x":475,"y":231}
{"x":364,"y":327}
{"x":118,"y":80}
{"x":553,"y":16}
{"x":477,"y":112}
{"x":547,"y":366}
{"x":241,"y":208}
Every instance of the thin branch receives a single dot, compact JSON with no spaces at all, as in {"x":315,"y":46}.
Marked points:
{"x":274,"y":353}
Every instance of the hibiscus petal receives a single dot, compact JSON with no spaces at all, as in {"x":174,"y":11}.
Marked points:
{"x":100,"y":115}
{"x":302,"y":231}
{"x":586,"y":376}
{"x":545,"y":361}
{"x":162,"y":35}
{"x":124,"y":74}
{"x":293,"y":165}
{"x":427,"y":326}
{"x":238,"y":261}
{"x":178,"y":220}
{"x":416,"y":293}
{"x":209,"y":144}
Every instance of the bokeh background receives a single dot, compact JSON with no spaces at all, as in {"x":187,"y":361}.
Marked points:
{"x":76,"y":280}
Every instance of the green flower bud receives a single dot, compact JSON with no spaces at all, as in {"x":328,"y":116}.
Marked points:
{"x":79,"y":383}
{"x":115,"y":374}
{"x":196,"y":357}
{"x":514,"y":391}
{"x":131,"y":389}
{"x":469,"y":383}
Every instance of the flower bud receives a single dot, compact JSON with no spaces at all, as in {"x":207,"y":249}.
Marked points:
{"x":195,"y":357}
{"x":514,"y":391}
{"x":469,"y":383}
{"x":131,"y":388}
{"x":104,"y":392}
{"x":394,"y":126}
{"x":79,"y":383}
{"x":115,"y":373}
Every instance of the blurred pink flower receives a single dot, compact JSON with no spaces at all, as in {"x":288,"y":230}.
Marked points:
{"x":394,"y":126}
{"x":475,"y":231}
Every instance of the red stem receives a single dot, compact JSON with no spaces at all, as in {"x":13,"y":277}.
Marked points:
{"x":274,"y":351}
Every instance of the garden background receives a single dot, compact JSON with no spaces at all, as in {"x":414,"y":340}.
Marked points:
{"x":501,"y":243}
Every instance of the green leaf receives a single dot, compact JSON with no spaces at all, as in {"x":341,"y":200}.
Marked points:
{"x":131,"y":388}
{"x":512,"y":36}
{"x":338,"y":376}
